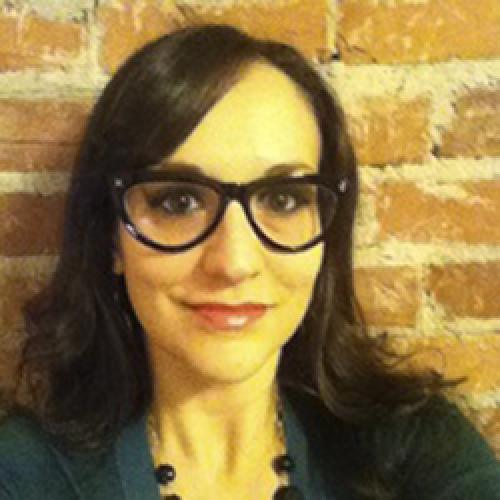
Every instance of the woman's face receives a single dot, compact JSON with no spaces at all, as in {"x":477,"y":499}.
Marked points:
{"x":225,"y":308}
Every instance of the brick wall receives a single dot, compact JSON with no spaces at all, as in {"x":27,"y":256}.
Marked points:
{"x":420,"y":81}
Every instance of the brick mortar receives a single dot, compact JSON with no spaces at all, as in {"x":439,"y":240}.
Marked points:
{"x":409,"y":333}
{"x":56,"y":10}
{"x":31,"y":267}
{"x":435,"y":170}
{"x":463,"y":326}
{"x":44,"y":183}
{"x":481,"y":400}
{"x":80,"y":83}
{"x":396,"y":253}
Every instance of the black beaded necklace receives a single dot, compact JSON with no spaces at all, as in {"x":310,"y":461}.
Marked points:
{"x":282,"y":465}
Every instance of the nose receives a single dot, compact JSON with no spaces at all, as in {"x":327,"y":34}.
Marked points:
{"x":233,"y":252}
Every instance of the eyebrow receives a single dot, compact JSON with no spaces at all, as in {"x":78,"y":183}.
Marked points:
{"x":279,"y":169}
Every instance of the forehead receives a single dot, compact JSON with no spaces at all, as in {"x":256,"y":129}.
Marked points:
{"x":263,"y":120}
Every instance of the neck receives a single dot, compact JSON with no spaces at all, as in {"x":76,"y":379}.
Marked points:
{"x":219,"y":426}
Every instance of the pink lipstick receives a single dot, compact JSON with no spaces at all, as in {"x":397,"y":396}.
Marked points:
{"x":229,"y":317}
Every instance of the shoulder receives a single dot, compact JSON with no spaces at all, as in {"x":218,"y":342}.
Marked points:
{"x":433,"y":452}
{"x":25,"y":457}
{"x":32,"y":466}
{"x":445,"y":456}
{"x":22,"y":441}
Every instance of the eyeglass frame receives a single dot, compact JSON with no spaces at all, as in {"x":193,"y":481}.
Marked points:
{"x":228,"y":191}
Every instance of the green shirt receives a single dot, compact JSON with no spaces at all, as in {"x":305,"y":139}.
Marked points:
{"x":434,"y":454}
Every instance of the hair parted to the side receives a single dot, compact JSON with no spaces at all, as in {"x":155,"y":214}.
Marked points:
{"x":83,"y":340}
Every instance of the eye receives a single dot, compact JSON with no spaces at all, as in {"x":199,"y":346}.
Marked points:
{"x":176,"y":201}
{"x":283,"y":199}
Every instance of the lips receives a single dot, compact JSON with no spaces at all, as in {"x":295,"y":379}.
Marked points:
{"x":228,"y":317}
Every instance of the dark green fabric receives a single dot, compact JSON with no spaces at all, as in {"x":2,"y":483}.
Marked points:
{"x":432,"y":455}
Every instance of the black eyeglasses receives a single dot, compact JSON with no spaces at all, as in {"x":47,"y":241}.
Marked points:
{"x":172,"y":212}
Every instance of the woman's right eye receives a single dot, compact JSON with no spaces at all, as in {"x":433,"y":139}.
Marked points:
{"x":175,"y":202}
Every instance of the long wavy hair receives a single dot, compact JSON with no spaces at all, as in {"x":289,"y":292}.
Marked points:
{"x":85,"y":370}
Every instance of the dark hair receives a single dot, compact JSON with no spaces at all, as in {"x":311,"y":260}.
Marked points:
{"x":85,"y":359}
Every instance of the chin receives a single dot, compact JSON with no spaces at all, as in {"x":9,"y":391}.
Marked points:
{"x":221,"y":366}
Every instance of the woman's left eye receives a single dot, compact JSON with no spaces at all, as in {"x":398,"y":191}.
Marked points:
{"x":282,"y":201}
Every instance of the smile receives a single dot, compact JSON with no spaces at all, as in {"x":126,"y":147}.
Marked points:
{"x":228,"y":317}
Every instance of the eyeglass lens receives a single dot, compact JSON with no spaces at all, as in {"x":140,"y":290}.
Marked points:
{"x":174,"y":213}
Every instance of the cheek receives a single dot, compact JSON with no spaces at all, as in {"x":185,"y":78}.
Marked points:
{"x":297,"y":273}
{"x":151,"y":282}
{"x":148,"y":272}
{"x":159,"y":273}
{"x":294,"y":276}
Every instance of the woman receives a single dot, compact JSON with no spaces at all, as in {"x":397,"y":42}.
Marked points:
{"x":200,"y":338}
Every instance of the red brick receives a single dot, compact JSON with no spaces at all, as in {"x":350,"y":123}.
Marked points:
{"x":467,"y":290}
{"x":476,"y":357}
{"x":390,"y":131}
{"x":30,"y":224}
{"x":29,"y":157}
{"x":475,"y":130}
{"x":407,"y":32}
{"x":24,"y":121}
{"x":388,"y":296}
{"x":128,"y":27}
{"x":465,"y":212}
{"x":33,"y":42}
